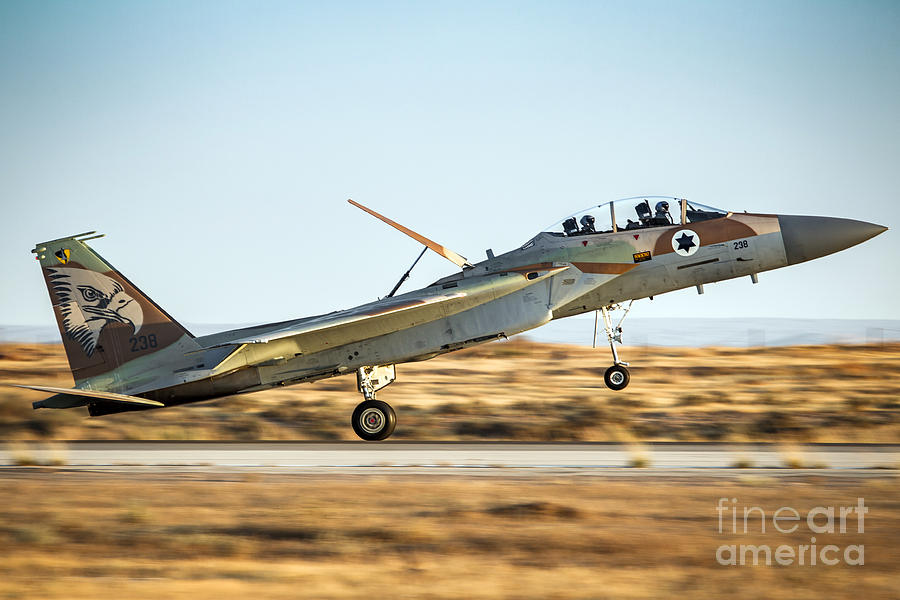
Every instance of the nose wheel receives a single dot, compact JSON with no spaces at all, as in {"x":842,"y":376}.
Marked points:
{"x":617,"y":376}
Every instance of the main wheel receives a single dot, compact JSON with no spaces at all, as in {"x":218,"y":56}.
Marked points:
{"x":374,"y":420}
{"x":617,"y":377}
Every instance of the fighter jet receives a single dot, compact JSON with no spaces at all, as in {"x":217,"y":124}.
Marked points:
{"x":126,"y":353}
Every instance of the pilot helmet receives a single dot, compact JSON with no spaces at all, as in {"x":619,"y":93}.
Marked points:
{"x":662,"y":206}
{"x":587,"y":221}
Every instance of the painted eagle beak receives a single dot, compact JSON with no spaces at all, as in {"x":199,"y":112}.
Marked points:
{"x":129,"y":310}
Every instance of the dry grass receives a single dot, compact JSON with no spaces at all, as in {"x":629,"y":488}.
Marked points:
{"x":525,"y":391}
{"x":100,"y":536}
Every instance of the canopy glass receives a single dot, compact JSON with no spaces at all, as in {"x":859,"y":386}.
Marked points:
{"x":639,"y":212}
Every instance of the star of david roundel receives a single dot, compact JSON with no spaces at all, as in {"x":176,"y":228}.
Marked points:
{"x":685,"y":242}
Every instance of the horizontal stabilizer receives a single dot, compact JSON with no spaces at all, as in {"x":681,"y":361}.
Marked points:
{"x":104,"y":396}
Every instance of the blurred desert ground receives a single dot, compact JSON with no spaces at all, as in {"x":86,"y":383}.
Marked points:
{"x":77,"y":535}
{"x":521,"y":390}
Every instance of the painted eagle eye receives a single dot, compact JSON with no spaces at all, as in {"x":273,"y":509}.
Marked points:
{"x":89,"y":294}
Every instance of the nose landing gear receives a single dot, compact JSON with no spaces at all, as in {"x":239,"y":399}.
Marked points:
{"x":617,"y":376}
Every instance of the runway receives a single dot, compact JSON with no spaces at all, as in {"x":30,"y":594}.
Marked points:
{"x":455,"y":457}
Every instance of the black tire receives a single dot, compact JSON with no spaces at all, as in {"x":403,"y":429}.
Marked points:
{"x":374,"y":420}
{"x":617,"y":377}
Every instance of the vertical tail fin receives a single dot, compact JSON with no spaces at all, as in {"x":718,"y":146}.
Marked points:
{"x":105,"y":320}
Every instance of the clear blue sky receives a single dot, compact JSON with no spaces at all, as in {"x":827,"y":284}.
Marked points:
{"x":215,"y":143}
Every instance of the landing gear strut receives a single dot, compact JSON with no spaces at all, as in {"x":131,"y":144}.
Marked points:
{"x":617,"y":376}
{"x":374,"y":420}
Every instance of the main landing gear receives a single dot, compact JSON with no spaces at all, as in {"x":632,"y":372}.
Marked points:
{"x":374,"y":420}
{"x":617,"y":376}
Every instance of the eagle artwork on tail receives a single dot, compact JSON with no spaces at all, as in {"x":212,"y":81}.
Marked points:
{"x":89,"y":301}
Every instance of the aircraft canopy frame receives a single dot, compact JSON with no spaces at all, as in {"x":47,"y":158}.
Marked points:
{"x":633,"y":213}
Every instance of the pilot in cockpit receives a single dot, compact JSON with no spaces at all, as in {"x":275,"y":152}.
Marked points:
{"x":587,"y":224}
{"x":662,"y":216}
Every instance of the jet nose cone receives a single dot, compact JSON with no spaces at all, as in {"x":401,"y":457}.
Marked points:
{"x":806,"y":238}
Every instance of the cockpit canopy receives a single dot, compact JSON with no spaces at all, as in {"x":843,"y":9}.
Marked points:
{"x":639,"y":212}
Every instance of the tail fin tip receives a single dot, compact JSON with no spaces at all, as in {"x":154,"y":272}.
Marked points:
{"x":78,"y":237}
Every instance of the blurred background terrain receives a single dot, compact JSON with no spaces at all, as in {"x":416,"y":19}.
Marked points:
{"x":522,"y":390}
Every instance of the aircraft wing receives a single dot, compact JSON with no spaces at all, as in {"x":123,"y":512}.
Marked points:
{"x":381,"y":316}
{"x":257,"y":345}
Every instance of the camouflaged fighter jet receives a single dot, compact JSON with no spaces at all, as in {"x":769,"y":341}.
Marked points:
{"x":126,"y":353}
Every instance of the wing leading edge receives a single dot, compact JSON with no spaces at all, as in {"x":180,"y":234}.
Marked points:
{"x":401,"y":310}
{"x":306,"y":336}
